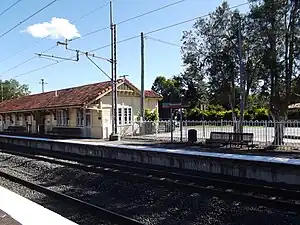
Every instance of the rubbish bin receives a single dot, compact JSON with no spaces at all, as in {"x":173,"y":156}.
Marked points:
{"x":192,"y":136}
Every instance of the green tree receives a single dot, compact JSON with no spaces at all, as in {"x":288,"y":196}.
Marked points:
{"x":276,"y":25}
{"x":170,"y":89}
{"x":10,"y":89}
{"x":214,"y":44}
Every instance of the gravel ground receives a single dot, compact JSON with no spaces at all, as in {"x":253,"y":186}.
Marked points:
{"x":68,"y":211}
{"x":141,"y":200}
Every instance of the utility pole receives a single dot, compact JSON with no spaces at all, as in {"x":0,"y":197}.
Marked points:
{"x":112,"y":77}
{"x":43,"y":85}
{"x":112,"y":71}
{"x":115,"y":79}
{"x":242,"y":79}
{"x":114,"y":104}
{"x":142,"y":78}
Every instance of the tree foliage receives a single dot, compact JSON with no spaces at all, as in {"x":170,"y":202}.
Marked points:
{"x":10,"y":89}
{"x":262,"y":44}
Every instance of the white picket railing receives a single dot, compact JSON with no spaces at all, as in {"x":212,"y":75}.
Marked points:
{"x":264,"y":131}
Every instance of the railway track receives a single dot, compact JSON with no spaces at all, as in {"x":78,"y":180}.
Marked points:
{"x":103,"y":213}
{"x":273,"y":197}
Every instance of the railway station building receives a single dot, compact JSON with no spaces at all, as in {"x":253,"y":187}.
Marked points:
{"x":85,"y":111}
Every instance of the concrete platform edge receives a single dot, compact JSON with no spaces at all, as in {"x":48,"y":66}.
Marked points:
{"x":250,"y":169}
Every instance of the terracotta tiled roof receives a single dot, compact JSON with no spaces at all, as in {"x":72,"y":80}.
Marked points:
{"x":152,"y":94}
{"x":75,"y":96}
{"x":148,"y":93}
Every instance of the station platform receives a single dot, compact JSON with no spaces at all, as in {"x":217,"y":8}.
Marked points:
{"x":270,"y":168}
{"x":17,"y":210}
{"x":6,"y":219}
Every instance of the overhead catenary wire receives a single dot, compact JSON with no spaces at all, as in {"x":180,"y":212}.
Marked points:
{"x":129,"y":19}
{"x":24,"y":62}
{"x":93,"y":32}
{"x":130,"y":38}
{"x":162,"y":41}
{"x":34,"y":57}
{"x":167,"y":27}
{"x":91,"y":12}
{"x":27,"y":18}
{"x":98,"y":67}
{"x":90,"y":33}
{"x":38,"y":41}
{"x":9,"y":7}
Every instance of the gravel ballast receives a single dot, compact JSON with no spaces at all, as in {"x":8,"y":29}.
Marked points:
{"x":146,"y":202}
{"x":66,"y":210}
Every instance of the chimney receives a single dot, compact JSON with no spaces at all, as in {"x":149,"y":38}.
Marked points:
{"x":56,"y":94}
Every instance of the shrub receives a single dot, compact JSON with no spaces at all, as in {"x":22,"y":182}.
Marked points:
{"x":151,"y":115}
{"x":219,"y":113}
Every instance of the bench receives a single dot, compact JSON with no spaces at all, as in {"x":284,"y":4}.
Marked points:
{"x":66,"y":131}
{"x":16,"y":129}
{"x":230,"y":138}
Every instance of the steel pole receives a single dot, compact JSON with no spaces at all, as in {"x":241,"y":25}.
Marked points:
{"x":115,"y":80}
{"x":112,"y":70}
{"x":142,"y":78}
{"x":242,"y":80}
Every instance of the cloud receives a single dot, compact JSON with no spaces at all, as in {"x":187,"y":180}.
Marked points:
{"x":58,"y":28}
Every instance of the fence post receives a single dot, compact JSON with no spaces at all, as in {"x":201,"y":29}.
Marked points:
{"x":132,"y":129}
{"x":186,"y":129}
{"x":171,"y":127}
{"x":266,"y":126}
{"x":203,"y":129}
{"x":180,"y":125}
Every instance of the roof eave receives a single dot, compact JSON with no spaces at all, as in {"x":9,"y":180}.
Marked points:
{"x":39,"y":109}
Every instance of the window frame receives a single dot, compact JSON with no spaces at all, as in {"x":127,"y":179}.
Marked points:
{"x":120,"y":116}
{"x":125,"y":116}
{"x":62,"y":118}
{"x":79,"y":117}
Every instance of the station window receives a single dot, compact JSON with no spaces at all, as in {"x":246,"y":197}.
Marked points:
{"x":124,"y":115}
{"x":120,"y":116}
{"x":61,"y":118}
{"x":129,"y":115}
{"x":79,"y":117}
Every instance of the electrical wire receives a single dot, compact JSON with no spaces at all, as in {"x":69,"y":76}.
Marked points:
{"x":10,"y":7}
{"x":34,"y":57}
{"x":129,"y":19}
{"x":24,"y":62}
{"x":26,"y":19}
{"x":162,"y":41}
{"x":91,"y":12}
{"x":38,"y":41}
{"x":167,"y":27}
{"x":130,"y":38}
{"x":93,"y":32}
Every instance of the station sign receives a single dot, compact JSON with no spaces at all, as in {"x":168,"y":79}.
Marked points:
{"x":169,"y":105}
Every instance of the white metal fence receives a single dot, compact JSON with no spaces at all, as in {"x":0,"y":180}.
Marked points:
{"x":263,"y":131}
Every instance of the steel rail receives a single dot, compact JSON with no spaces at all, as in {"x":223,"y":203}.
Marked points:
{"x":107,"y":214}
{"x":223,"y":188}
